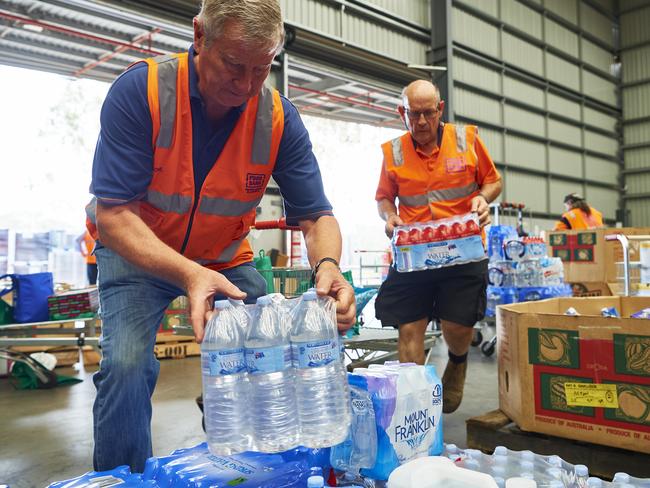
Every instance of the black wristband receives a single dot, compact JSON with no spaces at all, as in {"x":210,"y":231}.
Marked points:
{"x":321,"y":261}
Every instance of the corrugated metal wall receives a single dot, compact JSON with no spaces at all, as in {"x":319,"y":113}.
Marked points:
{"x":635,"y":58}
{"x":536,"y":78}
{"x":395,"y":29}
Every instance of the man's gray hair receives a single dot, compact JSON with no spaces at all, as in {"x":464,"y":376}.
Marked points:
{"x":260,"y":20}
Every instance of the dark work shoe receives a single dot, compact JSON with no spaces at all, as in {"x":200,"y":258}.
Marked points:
{"x":453,"y":383}
{"x":199,"y":402}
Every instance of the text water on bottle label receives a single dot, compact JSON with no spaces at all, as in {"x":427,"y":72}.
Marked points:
{"x":224,"y":362}
{"x":315,"y":354}
{"x":268,"y":359}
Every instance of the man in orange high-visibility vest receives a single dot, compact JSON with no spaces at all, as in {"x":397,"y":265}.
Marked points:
{"x":435,"y":170}
{"x":188,"y":143}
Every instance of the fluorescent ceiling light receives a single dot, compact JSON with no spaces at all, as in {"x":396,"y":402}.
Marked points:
{"x":33,"y":27}
{"x":427,"y":67}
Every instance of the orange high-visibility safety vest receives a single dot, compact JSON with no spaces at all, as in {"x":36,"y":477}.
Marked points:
{"x":446,"y":188}
{"x":579,"y":220}
{"x":89,"y":242}
{"x":212,"y":228}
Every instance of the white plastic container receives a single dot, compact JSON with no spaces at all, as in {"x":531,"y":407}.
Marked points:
{"x":437,"y":472}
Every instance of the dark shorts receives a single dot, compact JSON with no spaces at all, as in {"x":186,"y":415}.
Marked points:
{"x":455,"y":293}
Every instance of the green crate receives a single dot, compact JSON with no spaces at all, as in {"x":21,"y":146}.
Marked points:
{"x":291,"y":282}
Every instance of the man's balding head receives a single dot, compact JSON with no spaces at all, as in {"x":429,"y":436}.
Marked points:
{"x":421,"y":109}
{"x":420,"y":90}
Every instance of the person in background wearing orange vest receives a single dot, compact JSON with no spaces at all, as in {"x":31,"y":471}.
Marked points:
{"x":188,"y":144}
{"x":435,"y":170}
{"x":86,"y":245}
{"x":579,"y":215}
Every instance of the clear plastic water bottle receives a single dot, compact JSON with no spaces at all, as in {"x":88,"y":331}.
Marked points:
{"x":582,"y":474}
{"x":242,"y":314}
{"x":321,"y":387}
{"x":274,"y":412}
{"x":359,"y":449}
{"x":226,"y":390}
{"x":594,"y":482}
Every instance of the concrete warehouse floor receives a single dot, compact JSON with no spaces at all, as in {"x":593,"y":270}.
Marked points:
{"x":46,"y":435}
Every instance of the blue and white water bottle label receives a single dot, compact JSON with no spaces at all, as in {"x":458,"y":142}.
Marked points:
{"x":226,"y":361}
{"x":317,"y":353}
{"x":268,"y":359}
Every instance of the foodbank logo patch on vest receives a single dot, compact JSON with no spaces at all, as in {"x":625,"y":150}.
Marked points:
{"x":455,"y":165}
{"x":255,"y":182}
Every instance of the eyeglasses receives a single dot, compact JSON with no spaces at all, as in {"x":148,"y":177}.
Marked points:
{"x":428,"y":114}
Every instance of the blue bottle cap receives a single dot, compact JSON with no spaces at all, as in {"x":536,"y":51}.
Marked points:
{"x":309,"y":295}
{"x":221,"y":304}
{"x":265,"y":300}
{"x":581,"y":470}
{"x":315,"y":482}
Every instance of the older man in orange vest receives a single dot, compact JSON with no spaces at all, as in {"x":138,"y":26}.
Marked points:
{"x":187,"y":146}
{"x":435,"y":170}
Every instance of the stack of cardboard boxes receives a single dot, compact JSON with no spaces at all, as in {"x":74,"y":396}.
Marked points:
{"x":590,"y":262}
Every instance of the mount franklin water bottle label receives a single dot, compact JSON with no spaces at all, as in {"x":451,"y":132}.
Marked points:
{"x":226,"y":361}
{"x":268,"y":359}
{"x":317,"y":353}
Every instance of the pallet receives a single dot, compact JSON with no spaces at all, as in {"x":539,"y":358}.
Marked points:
{"x":65,"y":355}
{"x":170,"y":346}
{"x":492,"y":429}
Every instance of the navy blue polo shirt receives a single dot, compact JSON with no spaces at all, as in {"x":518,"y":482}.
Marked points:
{"x":123,"y":162}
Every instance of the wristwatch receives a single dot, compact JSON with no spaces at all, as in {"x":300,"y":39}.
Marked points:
{"x":321,"y":261}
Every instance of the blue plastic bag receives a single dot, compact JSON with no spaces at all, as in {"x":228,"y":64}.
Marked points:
{"x":196,"y":467}
{"x":30,"y":296}
{"x":120,"y":476}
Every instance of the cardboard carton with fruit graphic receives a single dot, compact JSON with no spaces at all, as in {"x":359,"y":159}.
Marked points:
{"x":438,"y":243}
{"x":584,"y":377}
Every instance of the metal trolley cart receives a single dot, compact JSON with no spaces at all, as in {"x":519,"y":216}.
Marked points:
{"x":628,"y":266}
{"x":510,"y":211}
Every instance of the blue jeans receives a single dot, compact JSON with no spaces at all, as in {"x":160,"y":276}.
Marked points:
{"x":132,"y":304}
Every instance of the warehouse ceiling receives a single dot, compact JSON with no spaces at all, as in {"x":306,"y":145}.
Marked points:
{"x":88,"y":39}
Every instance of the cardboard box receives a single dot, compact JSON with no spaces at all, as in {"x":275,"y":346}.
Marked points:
{"x":587,"y":257}
{"x":588,"y":289}
{"x":583,"y":377}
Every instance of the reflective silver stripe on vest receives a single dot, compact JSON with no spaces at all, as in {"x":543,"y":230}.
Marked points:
{"x":452,"y":193}
{"x":413,"y":200}
{"x":167,"y":75}
{"x":175,"y":203}
{"x":438,"y":195}
{"x":225,"y":207}
{"x":261,"y":153}
{"x":461,"y":138}
{"x":226,"y":255}
{"x":91,"y":210}
{"x":398,"y":155}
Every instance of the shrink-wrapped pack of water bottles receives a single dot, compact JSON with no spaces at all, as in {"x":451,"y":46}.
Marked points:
{"x":439,"y":243}
{"x":273,"y":376}
{"x":396,"y":417}
{"x":519,"y":270}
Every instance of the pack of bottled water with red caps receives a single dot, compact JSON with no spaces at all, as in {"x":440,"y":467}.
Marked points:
{"x":438,"y":243}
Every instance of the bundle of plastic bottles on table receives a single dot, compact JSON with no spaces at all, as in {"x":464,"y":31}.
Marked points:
{"x":439,"y":243}
{"x":519,"y":270}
